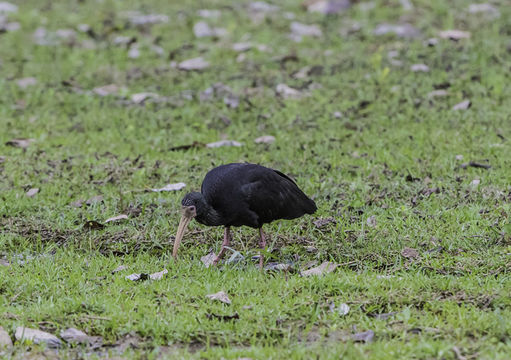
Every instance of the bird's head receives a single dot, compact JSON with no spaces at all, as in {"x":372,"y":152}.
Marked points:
{"x":191,"y":205}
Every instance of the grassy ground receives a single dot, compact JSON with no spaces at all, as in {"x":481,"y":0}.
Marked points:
{"x":367,"y":141}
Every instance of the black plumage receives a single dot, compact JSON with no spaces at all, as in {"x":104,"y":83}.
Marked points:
{"x":243,"y":194}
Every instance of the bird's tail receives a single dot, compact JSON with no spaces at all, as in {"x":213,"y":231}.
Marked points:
{"x":310,"y":206}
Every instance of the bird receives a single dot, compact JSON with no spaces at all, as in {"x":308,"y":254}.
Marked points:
{"x":242,"y":194}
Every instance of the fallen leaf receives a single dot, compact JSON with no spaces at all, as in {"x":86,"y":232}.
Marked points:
{"x":278,"y":267}
{"x":265,"y":139}
{"x":144,"y":276}
{"x":322,"y":269}
{"x":242,"y":46}
{"x":106,"y":90}
{"x":5,"y":339}
{"x":138,"y":19}
{"x":232,"y":101}
{"x":197,"y":63}
{"x":209,"y":14}
{"x":208,"y":259}
{"x":484,"y":8}
{"x":401,"y":30}
{"x":202,"y":29}
{"x":158,"y":275}
{"x":134,"y":51}
{"x":6,"y":7}
{"x":371,"y":221}
{"x":261,"y":6}
{"x":299,"y":30}
{"x":438,"y":93}
{"x":93,"y":225}
{"x":94,"y":200}
{"x":419,"y":68}
{"x":116,"y":218}
{"x":171,"y":187}
{"x":454,"y":34}
{"x":221,"y":143}
{"x":327,"y":6}
{"x":119,"y":268}
{"x":26,"y":82}
{"x":288,"y":92}
{"x":68,"y":35}
{"x":464,"y":105}
{"x":37,"y":337}
{"x":75,"y":336}
{"x":32,"y":192}
{"x":342,"y":309}
{"x":20,"y":143}
{"x":459,"y":157}
{"x":234,"y":316}
{"x":475,"y":182}
{"x":220,"y":296}
{"x":319,"y":223}
{"x":409,"y":253}
{"x":382,"y":316}
{"x":366,"y":336}
{"x":4,"y":262}
{"x":459,"y":356}
{"x":142,"y":97}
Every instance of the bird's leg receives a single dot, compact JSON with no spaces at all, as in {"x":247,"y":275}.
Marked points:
{"x":262,"y":245}
{"x":227,"y":242}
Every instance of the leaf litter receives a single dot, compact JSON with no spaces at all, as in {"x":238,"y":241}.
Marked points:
{"x":75,"y":336}
{"x":171,"y":187}
{"x":325,"y":268}
{"x":220,"y":296}
{"x":37,"y":337}
{"x":145,"y":276}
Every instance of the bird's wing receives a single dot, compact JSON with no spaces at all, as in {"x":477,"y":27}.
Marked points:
{"x":273,"y":195}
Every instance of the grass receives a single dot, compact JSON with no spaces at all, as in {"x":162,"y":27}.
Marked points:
{"x":389,"y":156}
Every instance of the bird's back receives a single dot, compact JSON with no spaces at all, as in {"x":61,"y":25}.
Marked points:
{"x":249,"y":194}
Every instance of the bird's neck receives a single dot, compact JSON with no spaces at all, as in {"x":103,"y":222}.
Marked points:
{"x":209,"y":216}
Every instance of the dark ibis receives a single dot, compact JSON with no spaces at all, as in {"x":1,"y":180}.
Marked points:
{"x":243,"y":195}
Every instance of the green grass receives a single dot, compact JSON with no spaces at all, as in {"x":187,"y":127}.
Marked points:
{"x":391,"y":144}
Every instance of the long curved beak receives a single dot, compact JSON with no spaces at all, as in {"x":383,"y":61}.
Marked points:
{"x":188,"y":213}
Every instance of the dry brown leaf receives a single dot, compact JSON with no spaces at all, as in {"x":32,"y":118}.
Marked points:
{"x":116,"y":218}
{"x":194,"y":64}
{"x":208,"y":259}
{"x":419,"y":68}
{"x":288,"y":92}
{"x":322,"y":269}
{"x":438,"y":93}
{"x":106,"y":90}
{"x":220,"y":296}
{"x":95,"y":199}
{"x":75,"y":336}
{"x":401,"y":30}
{"x":170,"y":187}
{"x":5,"y":339}
{"x":327,"y":6}
{"x":454,"y":34}
{"x":298,"y":30}
{"x":410,"y":253}
{"x":366,"y":336}
{"x":20,"y":143}
{"x":37,"y":337}
{"x":371,"y":221}
{"x":6,"y":7}
{"x":319,"y":223}
{"x":119,"y":268}
{"x":224,"y":143}
{"x":32,"y":192}
{"x":464,"y":105}
{"x":265,"y":139}
{"x":26,"y":82}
